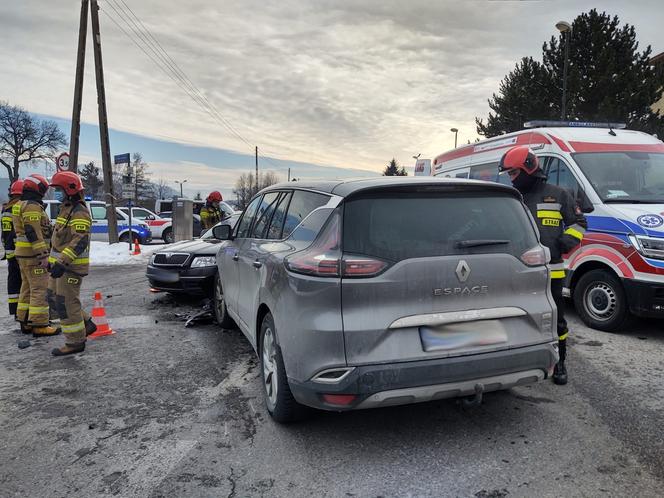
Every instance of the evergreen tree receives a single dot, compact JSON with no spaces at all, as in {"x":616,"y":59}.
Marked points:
{"x":92,"y":180}
{"x":608,"y":80}
{"x":393,"y":169}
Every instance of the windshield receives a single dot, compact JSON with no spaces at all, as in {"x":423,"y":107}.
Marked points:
{"x":625,"y":177}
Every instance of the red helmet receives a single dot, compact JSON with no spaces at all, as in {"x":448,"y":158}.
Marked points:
{"x":520,"y":158}
{"x":69,"y":181}
{"x":16,"y":188}
{"x":36,"y":183}
{"x":215,"y":197}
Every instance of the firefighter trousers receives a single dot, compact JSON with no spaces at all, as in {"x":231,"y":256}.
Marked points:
{"x":32,"y":308}
{"x":563,"y":331}
{"x":68,"y":305}
{"x":13,"y":284}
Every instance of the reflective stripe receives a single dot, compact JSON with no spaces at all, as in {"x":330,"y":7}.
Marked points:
{"x":23,"y":306}
{"x":557,"y":266}
{"x":38,"y":309}
{"x":52,"y":260}
{"x":13,"y":296}
{"x":39,"y":244}
{"x":11,"y":256}
{"x":552,"y":206}
{"x":68,"y":252}
{"x":563,"y":337}
{"x":550,"y":214}
{"x":31,"y":217}
{"x":73,"y":328}
{"x":16,"y":209}
{"x":12,"y":300}
{"x":81,"y":261}
{"x":22,"y":238}
{"x":61,"y":221}
{"x":557,"y":274}
{"x":20,"y":243}
{"x":576,"y":231}
{"x":80,"y":222}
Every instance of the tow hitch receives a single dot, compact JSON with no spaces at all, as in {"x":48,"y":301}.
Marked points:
{"x":476,"y":399}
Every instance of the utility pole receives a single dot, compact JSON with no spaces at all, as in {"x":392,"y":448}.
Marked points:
{"x":257,"y":169}
{"x":103,"y":128}
{"x":289,"y":174}
{"x":78,"y":88}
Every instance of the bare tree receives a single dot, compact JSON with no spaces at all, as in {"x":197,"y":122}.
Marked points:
{"x":160,"y":188}
{"x":246,"y":188}
{"x":24,"y":139}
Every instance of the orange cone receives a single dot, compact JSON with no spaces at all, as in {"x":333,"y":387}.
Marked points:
{"x":98,"y":315}
{"x":137,"y":248}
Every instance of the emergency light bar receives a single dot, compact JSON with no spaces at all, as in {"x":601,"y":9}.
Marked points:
{"x":573,"y":124}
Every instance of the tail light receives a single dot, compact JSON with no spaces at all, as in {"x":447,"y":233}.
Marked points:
{"x":537,"y":256}
{"x":360,"y":266}
{"x":323,"y":257}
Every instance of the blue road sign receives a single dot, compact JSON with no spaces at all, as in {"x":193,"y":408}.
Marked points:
{"x":121,"y":159}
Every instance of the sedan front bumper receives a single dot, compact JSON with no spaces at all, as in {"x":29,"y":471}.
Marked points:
{"x":198,"y":281}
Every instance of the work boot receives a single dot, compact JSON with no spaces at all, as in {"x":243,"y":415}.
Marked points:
{"x":47,"y":331}
{"x":90,"y":327}
{"x":26,"y":329}
{"x":68,"y":349}
{"x":560,"y":373}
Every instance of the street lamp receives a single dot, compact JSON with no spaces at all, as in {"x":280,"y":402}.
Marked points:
{"x":456,"y":132}
{"x":181,"y":183}
{"x":565,"y":29}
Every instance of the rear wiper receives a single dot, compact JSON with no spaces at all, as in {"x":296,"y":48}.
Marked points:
{"x":480,"y":242}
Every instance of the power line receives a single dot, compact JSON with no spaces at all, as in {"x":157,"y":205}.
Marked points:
{"x":166,"y":63}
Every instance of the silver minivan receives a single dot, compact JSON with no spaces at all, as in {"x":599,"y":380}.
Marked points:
{"x":387,"y":291}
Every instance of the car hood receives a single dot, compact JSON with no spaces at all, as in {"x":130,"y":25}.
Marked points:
{"x":196,"y":246}
{"x":641,"y":219}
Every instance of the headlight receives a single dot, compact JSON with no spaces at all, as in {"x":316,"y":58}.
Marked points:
{"x":202,"y":261}
{"x":648,"y":246}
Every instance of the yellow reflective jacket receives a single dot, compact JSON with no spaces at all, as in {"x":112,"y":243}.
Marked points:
{"x":33,"y":229}
{"x":71,"y":238}
{"x":210,"y":216}
{"x":8,"y":234}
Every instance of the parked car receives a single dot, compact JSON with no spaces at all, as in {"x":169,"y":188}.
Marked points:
{"x":387,"y":291}
{"x":189,"y":266}
{"x":160,"y":226}
{"x":99,"y":229}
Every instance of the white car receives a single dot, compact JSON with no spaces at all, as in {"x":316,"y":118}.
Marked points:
{"x":161,"y":228}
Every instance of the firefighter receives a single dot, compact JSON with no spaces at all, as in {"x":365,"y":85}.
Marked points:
{"x":8,"y":239}
{"x":210,"y":213}
{"x":69,"y":261}
{"x":33,"y":234}
{"x":561,"y":225}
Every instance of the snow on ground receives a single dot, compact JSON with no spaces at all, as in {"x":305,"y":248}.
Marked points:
{"x":104,"y":254}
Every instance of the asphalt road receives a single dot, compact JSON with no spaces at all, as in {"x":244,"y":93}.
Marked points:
{"x":162,"y":410}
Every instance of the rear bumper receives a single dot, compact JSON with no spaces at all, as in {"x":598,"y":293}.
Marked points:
{"x":197,"y":281}
{"x":427,"y":380}
{"x":645,"y":298}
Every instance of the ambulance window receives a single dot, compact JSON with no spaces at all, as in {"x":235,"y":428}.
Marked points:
{"x":462,"y":175}
{"x":560,"y":174}
{"x":487,"y":172}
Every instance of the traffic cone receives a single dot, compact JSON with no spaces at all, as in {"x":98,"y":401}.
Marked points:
{"x":99,"y":317}
{"x":137,"y":248}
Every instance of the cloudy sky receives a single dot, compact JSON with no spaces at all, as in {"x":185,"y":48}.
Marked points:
{"x":343,"y":84}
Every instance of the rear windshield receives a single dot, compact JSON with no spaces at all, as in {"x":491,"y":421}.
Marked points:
{"x":399,"y":226}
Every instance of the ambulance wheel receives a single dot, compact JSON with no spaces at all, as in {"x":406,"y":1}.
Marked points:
{"x":167,"y":236}
{"x":601,"y":302}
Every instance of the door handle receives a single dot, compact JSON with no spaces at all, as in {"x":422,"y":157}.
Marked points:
{"x":257,"y":264}
{"x":236,"y":257}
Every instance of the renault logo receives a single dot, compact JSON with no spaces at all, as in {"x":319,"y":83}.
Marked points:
{"x":462,"y":271}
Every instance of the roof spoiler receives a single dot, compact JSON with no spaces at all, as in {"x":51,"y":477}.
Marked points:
{"x":573,"y":124}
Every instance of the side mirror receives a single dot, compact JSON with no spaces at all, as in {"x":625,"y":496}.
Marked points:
{"x":584,"y":203}
{"x":222,"y":232}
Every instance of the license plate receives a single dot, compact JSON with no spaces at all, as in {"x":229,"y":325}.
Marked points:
{"x":462,"y":336}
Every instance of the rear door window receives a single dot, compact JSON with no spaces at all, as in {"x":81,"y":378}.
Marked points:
{"x":277,"y":223}
{"x":301,"y":205}
{"x":400,"y":226}
{"x":264,"y":214}
{"x":98,"y":212}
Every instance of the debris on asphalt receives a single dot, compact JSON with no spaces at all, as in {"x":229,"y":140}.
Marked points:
{"x":24,"y":344}
{"x":205,"y":314}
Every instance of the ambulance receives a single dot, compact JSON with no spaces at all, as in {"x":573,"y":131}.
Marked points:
{"x":617,"y":178}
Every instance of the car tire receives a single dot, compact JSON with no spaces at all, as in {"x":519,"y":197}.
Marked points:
{"x":279,"y":400}
{"x":167,"y":236}
{"x":124,"y":237}
{"x":220,"y":310}
{"x":601,"y":301}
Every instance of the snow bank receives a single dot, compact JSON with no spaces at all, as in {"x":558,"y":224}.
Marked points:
{"x":104,"y":254}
